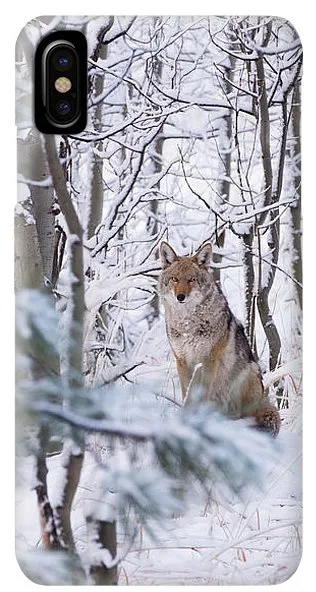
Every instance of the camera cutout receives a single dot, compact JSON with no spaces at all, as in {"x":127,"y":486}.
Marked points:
{"x":61,"y":83}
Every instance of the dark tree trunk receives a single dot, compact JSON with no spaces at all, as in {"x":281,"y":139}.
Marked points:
{"x":96,"y":196}
{"x":296,"y":207}
{"x":224,"y":149}
{"x":101,"y":574}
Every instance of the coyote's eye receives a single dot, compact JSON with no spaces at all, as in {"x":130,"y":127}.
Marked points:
{"x":191,"y":280}
{"x":175,"y":280}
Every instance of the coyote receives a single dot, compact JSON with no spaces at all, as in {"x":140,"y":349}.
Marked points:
{"x":212,"y":353}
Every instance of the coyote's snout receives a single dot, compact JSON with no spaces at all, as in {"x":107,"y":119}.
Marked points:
{"x":209,"y":344}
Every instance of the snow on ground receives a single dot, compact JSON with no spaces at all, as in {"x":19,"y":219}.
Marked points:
{"x":255,"y":541}
{"x":222,"y":541}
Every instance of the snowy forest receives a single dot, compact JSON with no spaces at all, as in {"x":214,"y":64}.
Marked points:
{"x":193,"y":135}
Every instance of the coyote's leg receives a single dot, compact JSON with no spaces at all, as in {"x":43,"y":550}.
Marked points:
{"x":184,"y":376}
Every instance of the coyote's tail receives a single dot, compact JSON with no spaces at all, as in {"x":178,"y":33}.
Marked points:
{"x":267,"y":419}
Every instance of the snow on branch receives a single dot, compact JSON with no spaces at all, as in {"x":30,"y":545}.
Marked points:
{"x":201,"y":442}
{"x":275,"y":49}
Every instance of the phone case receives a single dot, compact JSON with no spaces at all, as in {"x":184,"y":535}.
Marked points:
{"x":159,"y":308}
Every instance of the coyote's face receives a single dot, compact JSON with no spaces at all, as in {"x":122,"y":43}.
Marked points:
{"x":185,"y":280}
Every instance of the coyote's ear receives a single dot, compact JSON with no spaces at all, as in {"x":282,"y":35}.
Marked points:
{"x":203,"y":255}
{"x":167,"y":255}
